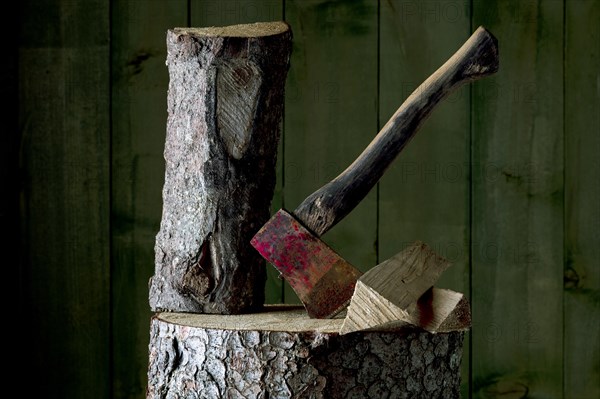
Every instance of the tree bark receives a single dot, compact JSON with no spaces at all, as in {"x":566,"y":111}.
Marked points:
{"x":282,"y":353}
{"x":225,"y":103}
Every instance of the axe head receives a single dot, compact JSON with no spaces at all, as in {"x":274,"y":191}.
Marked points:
{"x":323,"y":281}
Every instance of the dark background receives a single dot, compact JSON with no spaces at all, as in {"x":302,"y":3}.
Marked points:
{"x":502,"y":180}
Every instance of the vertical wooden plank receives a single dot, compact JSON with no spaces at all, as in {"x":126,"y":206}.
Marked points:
{"x":231,"y":12}
{"x":517,"y":238}
{"x":425,"y":193}
{"x":9,"y":160}
{"x":331,"y":112}
{"x":64,"y":115}
{"x":139,"y":110}
{"x":582,"y":211}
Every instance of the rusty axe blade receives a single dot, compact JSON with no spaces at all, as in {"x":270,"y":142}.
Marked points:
{"x":321,"y":278}
{"x":323,"y":281}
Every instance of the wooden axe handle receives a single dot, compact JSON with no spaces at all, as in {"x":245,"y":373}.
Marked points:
{"x":478,"y":57}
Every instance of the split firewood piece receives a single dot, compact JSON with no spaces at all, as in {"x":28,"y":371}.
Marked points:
{"x":440,"y":310}
{"x":437,"y":311}
{"x":384,"y":293}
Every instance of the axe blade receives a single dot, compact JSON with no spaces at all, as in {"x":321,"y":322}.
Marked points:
{"x":321,"y":278}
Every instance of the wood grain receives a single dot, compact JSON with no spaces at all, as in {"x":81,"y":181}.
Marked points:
{"x":139,"y":88}
{"x":437,"y":311}
{"x":400,"y":290}
{"x":582,"y":191}
{"x":64,"y":116}
{"x":441,"y":310}
{"x":406,"y":276}
{"x":517,"y":214}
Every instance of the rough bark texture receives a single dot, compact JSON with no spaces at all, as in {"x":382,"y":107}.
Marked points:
{"x":285,"y":354}
{"x":225,"y":104}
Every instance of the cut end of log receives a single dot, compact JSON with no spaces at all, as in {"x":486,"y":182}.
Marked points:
{"x":257,"y":29}
{"x":290,"y":318}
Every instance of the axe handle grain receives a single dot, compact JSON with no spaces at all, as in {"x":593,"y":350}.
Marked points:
{"x":478,"y":57}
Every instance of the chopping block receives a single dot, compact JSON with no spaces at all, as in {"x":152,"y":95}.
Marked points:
{"x":282,"y":353}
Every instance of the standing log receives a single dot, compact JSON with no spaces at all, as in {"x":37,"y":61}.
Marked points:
{"x":225,"y":104}
{"x":282,"y":353}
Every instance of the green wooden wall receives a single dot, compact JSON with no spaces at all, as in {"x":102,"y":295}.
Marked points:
{"x":503,"y":178}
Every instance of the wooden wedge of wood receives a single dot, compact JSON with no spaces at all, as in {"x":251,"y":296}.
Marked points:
{"x":400,"y":291}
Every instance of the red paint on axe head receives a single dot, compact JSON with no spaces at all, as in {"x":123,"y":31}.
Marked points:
{"x":323,"y":281}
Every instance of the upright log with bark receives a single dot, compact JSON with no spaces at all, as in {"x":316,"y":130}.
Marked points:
{"x":225,"y":103}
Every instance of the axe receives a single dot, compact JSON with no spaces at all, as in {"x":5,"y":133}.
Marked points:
{"x":322,"y":279}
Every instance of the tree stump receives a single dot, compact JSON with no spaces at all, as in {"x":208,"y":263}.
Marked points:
{"x":282,"y":353}
{"x":225,"y":103}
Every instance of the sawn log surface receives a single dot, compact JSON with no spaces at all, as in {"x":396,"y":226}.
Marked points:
{"x":283,"y":353}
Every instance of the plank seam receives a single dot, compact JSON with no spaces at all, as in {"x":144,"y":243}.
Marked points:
{"x":564,"y":176}
{"x":111,"y":265}
{"x":470,"y":214}
{"x":282,"y":288}
{"x":378,"y":121}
